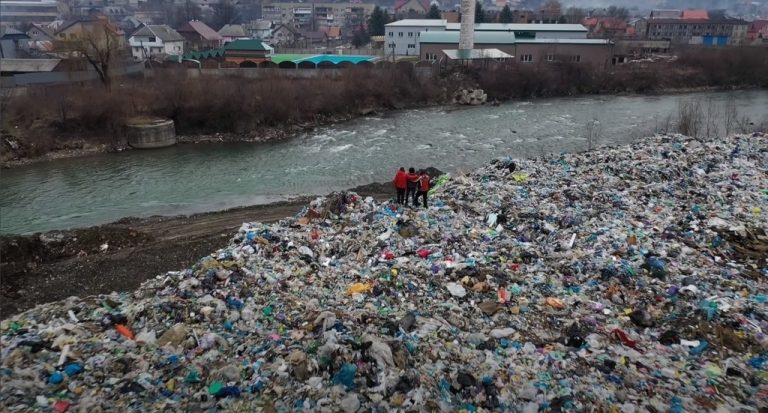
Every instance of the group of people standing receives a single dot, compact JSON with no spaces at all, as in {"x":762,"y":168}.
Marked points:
{"x":411,"y":186}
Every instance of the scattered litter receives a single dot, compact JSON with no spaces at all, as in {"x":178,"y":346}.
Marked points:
{"x":624,"y":279}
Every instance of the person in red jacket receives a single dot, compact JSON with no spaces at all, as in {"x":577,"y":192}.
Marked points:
{"x":413,"y":182}
{"x":401,"y":183}
{"x":423,"y":188}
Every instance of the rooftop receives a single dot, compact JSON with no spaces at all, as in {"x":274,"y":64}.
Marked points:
{"x":418,"y":22}
{"x":233,"y":30}
{"x":162,"y":31}
{"x":246,"y":44}
{"x":201,"y":28}
{"x":530,"y":27}
{"x":28,"y":65}
{"x":564,"y":41}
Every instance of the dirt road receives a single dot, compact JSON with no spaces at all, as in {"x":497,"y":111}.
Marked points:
{"x":36,"y":269}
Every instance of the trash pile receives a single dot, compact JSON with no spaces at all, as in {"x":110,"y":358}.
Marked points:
{"x":625,"y":279}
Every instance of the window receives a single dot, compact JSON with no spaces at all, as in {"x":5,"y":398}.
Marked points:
{"x":526,"y":58}
{"x":399,"y":34}
{"x":410,"y":34}
{"x":418,"y":34}
{"x":411,"y":46}
{"x":575,"y":59}
{"x":430,"y":56}
{"x":152,"y":39}
{"x":391,"y":45}
{"x":550,"y":58}
{"x":391,"y":34}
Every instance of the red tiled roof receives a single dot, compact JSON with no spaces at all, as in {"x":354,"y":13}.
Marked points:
{"x":695,"y":15}
{"x":590,"y":22}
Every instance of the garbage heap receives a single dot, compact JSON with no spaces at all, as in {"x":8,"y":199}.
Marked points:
{"x":625,"y":279}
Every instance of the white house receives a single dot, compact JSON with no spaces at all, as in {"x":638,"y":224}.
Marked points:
{"x":154,"y":40}
{"x":401,"y":38}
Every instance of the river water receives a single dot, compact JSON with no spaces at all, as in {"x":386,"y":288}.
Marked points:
{"x":102,"y":188}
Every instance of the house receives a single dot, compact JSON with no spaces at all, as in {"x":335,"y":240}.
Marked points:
{"x":231,"y":32}
{"x":94,"y":27}
{"x":38,"y":32}
{"x":14,"y":44}
{"x":420,"y":7}
{"x":332,"y":33}
{"x":198,"y":36}
{"x":40,"y":38}
{"x":156,"y":40}
{"x":285,"y":36}
{"x":314,"y":38}
{"x":259,"y":29}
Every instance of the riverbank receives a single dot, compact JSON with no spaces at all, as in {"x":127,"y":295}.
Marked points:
{"x":47,"y":119}
{"x":274,"y":134}
{"x":15,"y":150}
{"x":46,"y":267}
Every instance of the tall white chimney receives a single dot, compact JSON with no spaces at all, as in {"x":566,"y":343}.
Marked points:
{"x":467,"y":34}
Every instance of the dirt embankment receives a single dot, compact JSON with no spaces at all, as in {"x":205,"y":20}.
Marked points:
{"x":119,"y":256}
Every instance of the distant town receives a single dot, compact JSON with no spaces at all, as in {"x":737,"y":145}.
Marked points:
{"x":42,"y":39}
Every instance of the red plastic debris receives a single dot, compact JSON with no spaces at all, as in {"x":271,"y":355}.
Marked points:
{"x":624,"y":338}
{"x":61,"y":406}
{"x":124,"y":331}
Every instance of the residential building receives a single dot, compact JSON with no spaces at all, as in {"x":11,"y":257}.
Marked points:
{"x":314,"y":38}
{"x":522,"y":16}
{"x":696,"y":27}
{"x":21,"y":12}
{"x":95,"y":27}
{"x":332,"y":33}
{"x":525,"y":50}
{"x":315,"y":16}
{"x":232,"y":32}
{"x":757,"y":34}
{"x":259,"y":29}
{"x":14,"y":44}
{"x":402,"y":37}
{"x":198,"y":36}
{"x":285,"y":36}
{"x":156,"y":40}
{"x":40,"y":39}
{"x":38,"y":32}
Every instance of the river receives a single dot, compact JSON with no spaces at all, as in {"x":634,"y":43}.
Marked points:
{"x":101,"y":188}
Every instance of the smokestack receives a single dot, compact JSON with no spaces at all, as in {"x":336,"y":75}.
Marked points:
{"x":467,"y":34}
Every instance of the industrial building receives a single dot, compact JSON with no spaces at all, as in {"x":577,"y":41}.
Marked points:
{"x":402,"y":38}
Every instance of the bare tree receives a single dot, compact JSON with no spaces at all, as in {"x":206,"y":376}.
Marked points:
{"x":592,"y":131}
{"x":100,"y":45}
{"x":731,"y":116}
{"x":689,"y":116}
